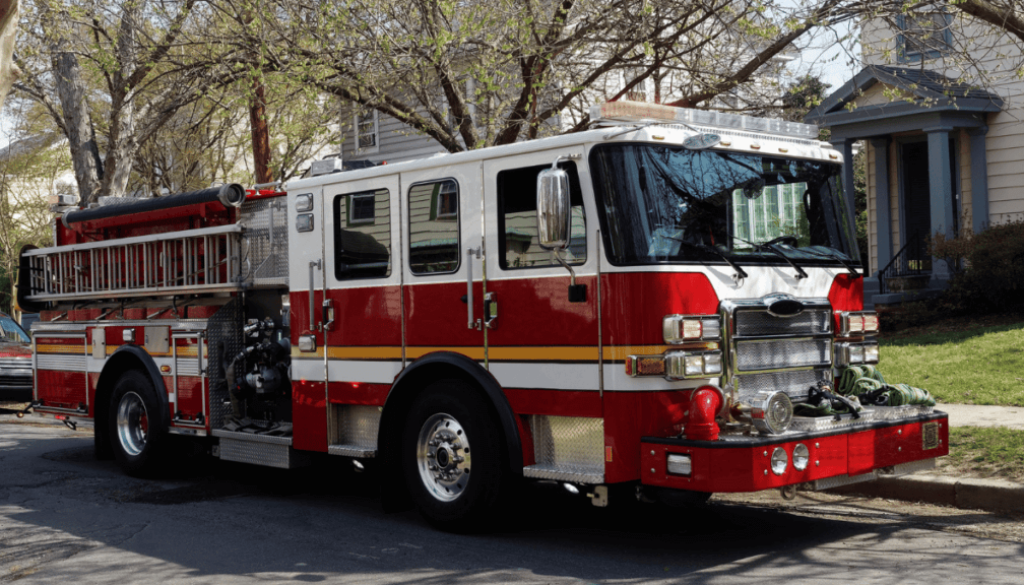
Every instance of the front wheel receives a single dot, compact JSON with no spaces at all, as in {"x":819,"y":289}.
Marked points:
{"x":452,"y":457}
{"x":135,"y":435}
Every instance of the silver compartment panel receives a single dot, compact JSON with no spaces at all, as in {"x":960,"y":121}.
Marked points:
{"x":567,"y":449}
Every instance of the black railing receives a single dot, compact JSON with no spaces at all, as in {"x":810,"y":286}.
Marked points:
{"x":908,"y":269}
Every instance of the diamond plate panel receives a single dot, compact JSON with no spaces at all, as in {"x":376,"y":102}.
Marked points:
{"x":762,"y":324}
{"x":912,"y":467}
{"x":571,"y":448}
{"x":900,"y":412}
{"x":841,"y":480}
{"x":827,"y":423}
{"x":225,"y":339}
{"x":794,"y":384}
{"x":262,"y":453}
{"x":783,"y":353}
{"x":355,"y":426}
{"x":265,"y":246}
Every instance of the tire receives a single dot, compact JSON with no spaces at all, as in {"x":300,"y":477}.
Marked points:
{"x":453,"y":459}
{"x":136,"y":435}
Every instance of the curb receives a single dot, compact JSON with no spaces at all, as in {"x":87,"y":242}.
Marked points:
{"x":994,"y":495}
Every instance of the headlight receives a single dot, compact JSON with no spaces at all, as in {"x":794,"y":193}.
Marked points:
{"x":779,"y":461}
{"x":680,"y":365}
{"x":771,"y":412}
{"x":801,"y":457}
{"x":855,"y":354}
{"x":682,"y":328}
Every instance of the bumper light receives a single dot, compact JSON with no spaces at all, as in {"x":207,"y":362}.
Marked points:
{"x":679,"y":464}
{"x":682,"y":328}
{"x":680,"y":365}
{"x":780,"y":461}
{"x":801,"y":457}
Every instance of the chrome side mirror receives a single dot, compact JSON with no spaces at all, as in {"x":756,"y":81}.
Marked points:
{"x":553,"y":218}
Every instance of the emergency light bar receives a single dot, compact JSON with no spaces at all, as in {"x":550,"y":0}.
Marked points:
{"x":635,"y":112}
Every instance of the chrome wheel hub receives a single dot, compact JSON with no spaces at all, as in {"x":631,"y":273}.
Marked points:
{"x":132,"y":423}
{"x":442,"y":456}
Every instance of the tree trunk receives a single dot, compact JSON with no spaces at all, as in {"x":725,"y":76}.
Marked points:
{"x":260,"y":133}
{"x":85,"y":153}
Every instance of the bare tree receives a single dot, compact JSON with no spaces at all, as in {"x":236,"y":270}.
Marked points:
{"x":111,"y":74}
{"x":472,"y":73}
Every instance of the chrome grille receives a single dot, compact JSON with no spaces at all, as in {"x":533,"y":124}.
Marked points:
{"x":794,"y":384}
{"x":763,"y":324}
{"x":752,"y":356}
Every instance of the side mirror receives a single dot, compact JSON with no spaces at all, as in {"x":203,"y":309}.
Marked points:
{"x":553,"y":217}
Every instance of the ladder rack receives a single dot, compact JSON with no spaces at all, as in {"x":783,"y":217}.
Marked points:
{"x":205,"y":260}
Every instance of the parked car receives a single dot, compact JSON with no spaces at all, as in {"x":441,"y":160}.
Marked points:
{"x":15,"y":361}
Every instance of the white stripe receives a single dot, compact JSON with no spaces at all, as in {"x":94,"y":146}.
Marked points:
{"x":311,"y":370}
{"x":616,"y":380}
{"x":552,"y":376}
{"x":367,"y":371}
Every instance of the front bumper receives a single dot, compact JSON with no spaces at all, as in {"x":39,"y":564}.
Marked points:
{"x":16,"y":385}
{"x":743,"y":463}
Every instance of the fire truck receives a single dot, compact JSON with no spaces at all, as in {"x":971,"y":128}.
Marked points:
{"x":642,"y":308}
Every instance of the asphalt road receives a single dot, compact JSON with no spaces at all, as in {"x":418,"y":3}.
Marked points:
{"x":66,"y":518}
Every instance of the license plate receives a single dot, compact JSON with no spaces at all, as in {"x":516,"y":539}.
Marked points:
{"x":930,"y":435}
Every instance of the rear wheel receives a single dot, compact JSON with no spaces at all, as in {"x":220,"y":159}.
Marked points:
{"x":135,"y":434}
{"x":452,"y":457}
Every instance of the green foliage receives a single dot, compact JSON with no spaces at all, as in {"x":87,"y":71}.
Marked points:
{"x":988,"y":269}
{"x":972,"y":366}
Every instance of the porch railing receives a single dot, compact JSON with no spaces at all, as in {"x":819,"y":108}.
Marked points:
{"x":908,"y":269}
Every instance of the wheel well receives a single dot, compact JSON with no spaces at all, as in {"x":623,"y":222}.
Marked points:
{"x":428,"y":369}
{"x":122,"y":361}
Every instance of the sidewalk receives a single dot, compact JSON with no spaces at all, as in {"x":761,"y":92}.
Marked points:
{"x":984,"y":494}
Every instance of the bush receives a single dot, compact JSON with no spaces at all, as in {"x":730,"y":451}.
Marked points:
{"x":988,"y":269}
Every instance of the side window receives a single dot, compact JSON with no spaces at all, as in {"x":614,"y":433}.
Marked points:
{"x":924,"y":34}
{"x":517,"y":220}
{"x":362,"y":235}
{"x":367,"y":131}
{"x":434,"y":227}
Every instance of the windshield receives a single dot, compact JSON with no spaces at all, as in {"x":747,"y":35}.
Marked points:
{"x":11,"y":331}
{"x":665,"y":204}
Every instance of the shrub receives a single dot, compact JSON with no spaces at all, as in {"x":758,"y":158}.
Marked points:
{"x":988,"y":269}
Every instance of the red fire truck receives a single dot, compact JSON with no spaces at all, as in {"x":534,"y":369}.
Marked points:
{"x":647,"y":304}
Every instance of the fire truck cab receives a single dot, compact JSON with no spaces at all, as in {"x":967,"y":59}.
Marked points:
{"x":644,"y":304}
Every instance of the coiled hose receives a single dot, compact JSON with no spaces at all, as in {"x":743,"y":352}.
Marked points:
{"x":870,"y":387}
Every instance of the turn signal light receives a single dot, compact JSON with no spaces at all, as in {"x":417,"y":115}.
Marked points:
{"x":855,"y":354}
{"x":680,"y":365}
{"x":858,"y":323}
{"x":682,"y":328}
{"x":678,"y":464}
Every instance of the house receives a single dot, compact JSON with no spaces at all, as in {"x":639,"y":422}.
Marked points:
{"x":939,"y":110}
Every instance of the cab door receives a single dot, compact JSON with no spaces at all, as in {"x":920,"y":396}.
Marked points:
{"x":443,"y":269}
{"x":305,"y":275}
{"x":363,"y":308}
{"x":540,"y":342}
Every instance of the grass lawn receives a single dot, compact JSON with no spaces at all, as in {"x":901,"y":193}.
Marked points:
{"x":985,"y":452}
{"x":983,"y":365}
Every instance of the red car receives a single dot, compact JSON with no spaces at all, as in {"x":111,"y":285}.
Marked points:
{"x":15,"y":361}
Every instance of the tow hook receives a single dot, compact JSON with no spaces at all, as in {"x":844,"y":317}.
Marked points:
{"x":788,"y":492}
{"x":71,"y":424}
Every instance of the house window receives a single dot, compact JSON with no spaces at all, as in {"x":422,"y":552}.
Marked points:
{"x":517,"y":220}
{"x":924,"y":35}
{"x":362,"y":235}
{"x":434,"y":227}
{"x":361,"y":208}
{"x":367,"y":131}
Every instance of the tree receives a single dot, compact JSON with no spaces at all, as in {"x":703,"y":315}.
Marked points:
{"x":111,"y":75}
{"x":473,"y":73}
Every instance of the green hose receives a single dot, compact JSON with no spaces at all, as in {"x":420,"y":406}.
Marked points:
{"x":858,"y":380}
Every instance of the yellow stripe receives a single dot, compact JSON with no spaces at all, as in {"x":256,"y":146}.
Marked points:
{"x":72,"y":349}
{"x":516,"y":354}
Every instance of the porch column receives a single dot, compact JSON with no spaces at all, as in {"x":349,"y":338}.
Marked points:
{"x":940,"y":182}
{"x":883,"y":227}
{"x":979,"y":179}
{"x":846,"y":147}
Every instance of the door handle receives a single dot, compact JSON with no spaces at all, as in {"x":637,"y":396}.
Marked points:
{"x":327,"y":314}
{"x":472,"y":323}
{"x":490,"y":311}
{"x":312,"y":290}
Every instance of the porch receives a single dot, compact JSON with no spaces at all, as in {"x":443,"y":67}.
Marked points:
{"x":925,"y":137}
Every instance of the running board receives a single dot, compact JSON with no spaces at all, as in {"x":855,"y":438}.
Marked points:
{"x":256,"y":449}
{"x":357,"y":451}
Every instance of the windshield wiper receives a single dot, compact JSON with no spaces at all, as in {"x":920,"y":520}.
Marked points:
{"x":740,"y":273}
{"x":848,"y":265}
{"x":774,"y":249}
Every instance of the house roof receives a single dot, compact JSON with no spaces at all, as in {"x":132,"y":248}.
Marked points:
{"x":929,"y":90}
